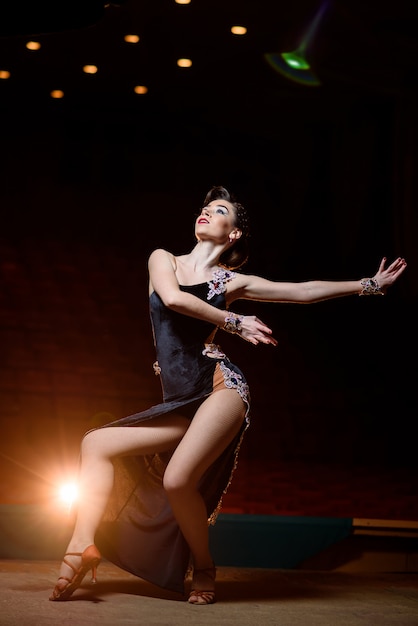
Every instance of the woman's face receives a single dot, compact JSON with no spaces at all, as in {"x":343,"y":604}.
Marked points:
{"x":216,"y":221}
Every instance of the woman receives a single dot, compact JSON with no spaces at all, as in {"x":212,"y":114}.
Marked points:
{"x":151,"y":482}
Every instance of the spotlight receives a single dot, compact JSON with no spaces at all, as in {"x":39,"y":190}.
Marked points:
{"x":68,"y":494}
{"x":295,"y":64}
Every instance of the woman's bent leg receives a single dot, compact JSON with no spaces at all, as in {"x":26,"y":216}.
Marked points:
{"x":98,"y":449}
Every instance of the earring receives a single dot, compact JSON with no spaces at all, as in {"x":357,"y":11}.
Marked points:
{"x":231,"y":239}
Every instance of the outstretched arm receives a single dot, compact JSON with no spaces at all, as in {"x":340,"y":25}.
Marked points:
{"x":256,"y":288}
{"x":163,"y":280}
{"x":260,"y":289}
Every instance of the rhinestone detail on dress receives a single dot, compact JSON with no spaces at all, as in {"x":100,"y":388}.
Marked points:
{"x":217,"y":285}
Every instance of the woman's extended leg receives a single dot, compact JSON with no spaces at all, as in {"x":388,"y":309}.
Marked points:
{"x":98,"y":449}
{"x":216,"y":423}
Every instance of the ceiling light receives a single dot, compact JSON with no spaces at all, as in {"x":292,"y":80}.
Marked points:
{"x":90,"y":69}
{"x":141,"y":89}
{"x":182,"y":1}
{"x":238,"y":30}
{"x":131,"y":38}
{"x":33,"y":45}
{"x":4,"y":74}
{"x":184,"y":62}
{"x":57,"y":93}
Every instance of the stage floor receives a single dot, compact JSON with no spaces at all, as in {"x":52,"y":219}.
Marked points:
{"x":245,"y":597}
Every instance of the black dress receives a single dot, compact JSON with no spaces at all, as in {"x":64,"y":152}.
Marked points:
{"x":139,"y":532}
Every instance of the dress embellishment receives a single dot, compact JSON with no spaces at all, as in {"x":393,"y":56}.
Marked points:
{"x":233,"y":380}
{"x":214,"y":351}
{"x":217,"y":285}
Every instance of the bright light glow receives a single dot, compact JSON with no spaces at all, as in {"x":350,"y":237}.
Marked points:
{"x":295,"y":60}
{"x":57,"y":93}
{"x":182,"y":1}
{"x":4,"y":74}
{"x":90,"y":69}
{"x":68,"y":494}
{"x":297,"y":71}
{"x":238,"y":30}
{"x":294,"y":64}
{"x":131,"y":38}
{"x":33,"y":45}
{"x":184,"y":62}
{"x":141,"y":89}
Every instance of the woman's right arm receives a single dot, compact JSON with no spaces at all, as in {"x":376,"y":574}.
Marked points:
{"x":163,"y":280}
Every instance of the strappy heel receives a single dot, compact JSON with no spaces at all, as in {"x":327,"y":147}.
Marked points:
{"x":203,"y":596}
{"x":90,"y":559}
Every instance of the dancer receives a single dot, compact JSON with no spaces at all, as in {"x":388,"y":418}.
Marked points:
{"x":152,"y":483}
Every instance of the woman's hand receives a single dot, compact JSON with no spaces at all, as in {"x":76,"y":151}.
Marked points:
{"x":385,"y":277}
{"x":255,"y":331}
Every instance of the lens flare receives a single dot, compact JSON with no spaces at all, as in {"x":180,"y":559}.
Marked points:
{"x":68,"y":494}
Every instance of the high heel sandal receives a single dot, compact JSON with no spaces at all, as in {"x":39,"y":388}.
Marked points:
{"x":202,"y":596}
{"x":90,"y":559}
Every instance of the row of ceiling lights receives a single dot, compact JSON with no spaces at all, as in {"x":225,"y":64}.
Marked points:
{"x":130,"y":39}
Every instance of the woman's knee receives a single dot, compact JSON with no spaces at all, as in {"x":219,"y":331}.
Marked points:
{"x":89,"y":444}
{"x":175,"y":482}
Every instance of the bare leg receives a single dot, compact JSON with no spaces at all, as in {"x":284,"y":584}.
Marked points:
{"x":198,"y":442}
{"x":98,"y":449}
{"x":216,"y":423}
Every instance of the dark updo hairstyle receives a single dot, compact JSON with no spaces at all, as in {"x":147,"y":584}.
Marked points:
{"x":237,"y":254}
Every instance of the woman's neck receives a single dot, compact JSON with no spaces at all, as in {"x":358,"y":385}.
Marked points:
{"x":204,"y":257}
{"x":199,"y":264}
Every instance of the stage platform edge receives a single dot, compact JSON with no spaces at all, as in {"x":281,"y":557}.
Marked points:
{"x":37,"y":532}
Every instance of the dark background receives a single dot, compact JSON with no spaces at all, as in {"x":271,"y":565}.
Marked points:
{"x":91,"y":183}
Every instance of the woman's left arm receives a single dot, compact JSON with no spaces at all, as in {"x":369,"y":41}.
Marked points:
{"x":250,"y":287}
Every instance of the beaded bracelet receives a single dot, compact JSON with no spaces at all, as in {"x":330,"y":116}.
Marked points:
{"x":233,"y":323}
{"x":370,"y":287}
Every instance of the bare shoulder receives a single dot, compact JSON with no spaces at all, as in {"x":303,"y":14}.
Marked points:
{"x":159,"y":255}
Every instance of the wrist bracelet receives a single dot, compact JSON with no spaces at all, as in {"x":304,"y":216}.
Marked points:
{"x":233,"y":323}
{"x":370,"y":287}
